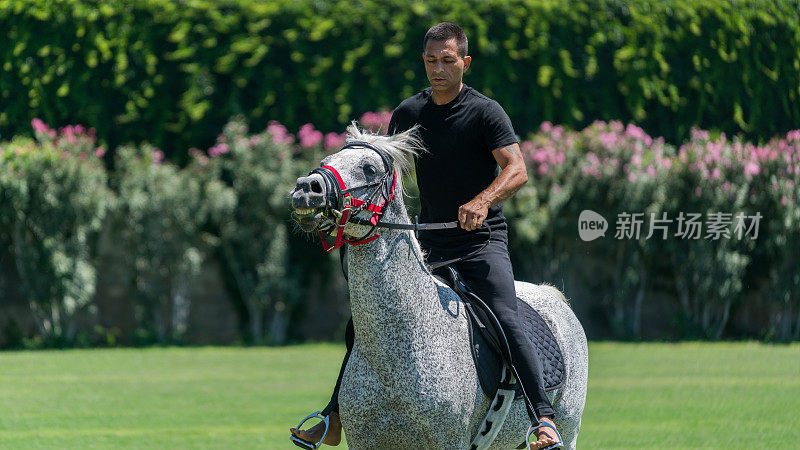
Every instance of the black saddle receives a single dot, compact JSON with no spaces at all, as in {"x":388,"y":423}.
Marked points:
{"x":489,"y":345}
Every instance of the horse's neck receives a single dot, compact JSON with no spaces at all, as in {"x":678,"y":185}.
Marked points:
{"x":392,"y":294}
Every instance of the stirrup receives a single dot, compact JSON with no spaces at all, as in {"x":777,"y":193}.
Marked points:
{"x":559,"y":444}
{"x":302,"y":443}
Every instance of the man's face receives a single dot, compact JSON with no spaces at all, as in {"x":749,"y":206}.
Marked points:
{"x":444,"y":67}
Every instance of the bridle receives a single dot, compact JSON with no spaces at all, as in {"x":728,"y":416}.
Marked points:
{"x":342,"y":208}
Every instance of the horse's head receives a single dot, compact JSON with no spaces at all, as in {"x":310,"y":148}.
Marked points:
{"x":345,"y":197}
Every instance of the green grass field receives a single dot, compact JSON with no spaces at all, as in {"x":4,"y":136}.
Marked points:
{"x":694,"y":395}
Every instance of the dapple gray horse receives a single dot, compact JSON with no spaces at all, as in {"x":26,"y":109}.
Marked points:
{"x":411,"y":381}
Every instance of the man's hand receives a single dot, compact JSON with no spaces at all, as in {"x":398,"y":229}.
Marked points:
{"x":471,"y":215}
{"x":514,"y":174}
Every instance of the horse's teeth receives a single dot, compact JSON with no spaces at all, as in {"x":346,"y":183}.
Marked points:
{"x":303,"y":211}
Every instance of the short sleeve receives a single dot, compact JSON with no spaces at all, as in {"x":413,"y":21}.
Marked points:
{"x":397,"y":124}
{"x":498,"y":130}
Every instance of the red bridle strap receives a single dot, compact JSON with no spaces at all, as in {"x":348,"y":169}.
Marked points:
{"x":355,"y":205}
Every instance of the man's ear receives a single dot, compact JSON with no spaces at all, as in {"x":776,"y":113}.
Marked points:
{"x":467,"y":61}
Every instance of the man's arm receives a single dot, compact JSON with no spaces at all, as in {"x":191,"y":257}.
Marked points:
{"x":472,"y":214}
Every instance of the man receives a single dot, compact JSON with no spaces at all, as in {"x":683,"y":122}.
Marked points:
{"x":467,"y":136}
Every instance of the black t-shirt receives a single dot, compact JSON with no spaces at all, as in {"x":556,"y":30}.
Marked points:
{"x":460,"y":137}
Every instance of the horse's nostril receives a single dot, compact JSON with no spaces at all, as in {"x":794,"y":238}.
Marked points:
{"x":316,"y":187}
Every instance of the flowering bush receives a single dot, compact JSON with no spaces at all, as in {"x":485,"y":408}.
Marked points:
{"x":650,"y":267}
{"x":54,"y":202}
{"x":620,"y":171}
{"x":247,"y":180}
{"x":157,"y":220}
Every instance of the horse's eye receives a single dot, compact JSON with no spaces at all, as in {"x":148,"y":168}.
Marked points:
{"x":370,"y":171}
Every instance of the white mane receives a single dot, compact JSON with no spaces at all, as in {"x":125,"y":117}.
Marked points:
{"x":401,"y":147}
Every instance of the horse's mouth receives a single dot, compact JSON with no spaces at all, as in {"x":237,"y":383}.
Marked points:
{"x":308,"y":219}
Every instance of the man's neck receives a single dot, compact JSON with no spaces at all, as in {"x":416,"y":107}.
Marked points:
{"x":443,"y":98}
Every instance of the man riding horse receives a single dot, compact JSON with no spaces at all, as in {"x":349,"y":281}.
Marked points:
{"x":467,"y":136}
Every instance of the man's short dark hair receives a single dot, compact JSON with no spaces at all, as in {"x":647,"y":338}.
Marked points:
{"x":446,"y":31}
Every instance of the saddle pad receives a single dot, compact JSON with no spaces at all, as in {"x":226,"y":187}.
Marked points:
{"x":490,"y":365}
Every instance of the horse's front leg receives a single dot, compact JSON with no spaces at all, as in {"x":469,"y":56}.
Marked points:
{"x":376,"y":416}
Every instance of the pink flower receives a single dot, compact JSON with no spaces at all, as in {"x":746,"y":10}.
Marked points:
{"x":279,"y":133}
{"x":699,"y":191}
{"x":608,"y":139}
{"x":546,"y":126}
{"x":255,"y":140}
{"x":632,"y":177}
{"x":784,"y":200}
{"x":715,"y":174}
{"x":158,"y":156}
{"x":309,"y":137}
{"x":556,"y":188}
{"x":751,"y":168}
{"x":311,"y":140}
{"x":726,"y":186}
{"x":651,"y":171}
{"x":39,"y":126}
{"x":99,"y":152}
{"x":219,"y":149}
{"x":333,"y":140}
{"x":698,"y":134}
{"x":543,"y":169}
{"x":632,"y":131}
{"x":370,"y":119}
{"x":540,"y":156}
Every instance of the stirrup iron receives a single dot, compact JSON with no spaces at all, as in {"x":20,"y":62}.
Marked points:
{"x":311,"y":445}
{"x":559,"y":444}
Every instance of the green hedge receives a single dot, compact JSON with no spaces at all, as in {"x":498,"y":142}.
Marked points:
{"x":173,"y":73}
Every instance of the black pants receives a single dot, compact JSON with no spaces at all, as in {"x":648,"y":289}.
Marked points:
{"x":490,"y":276}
